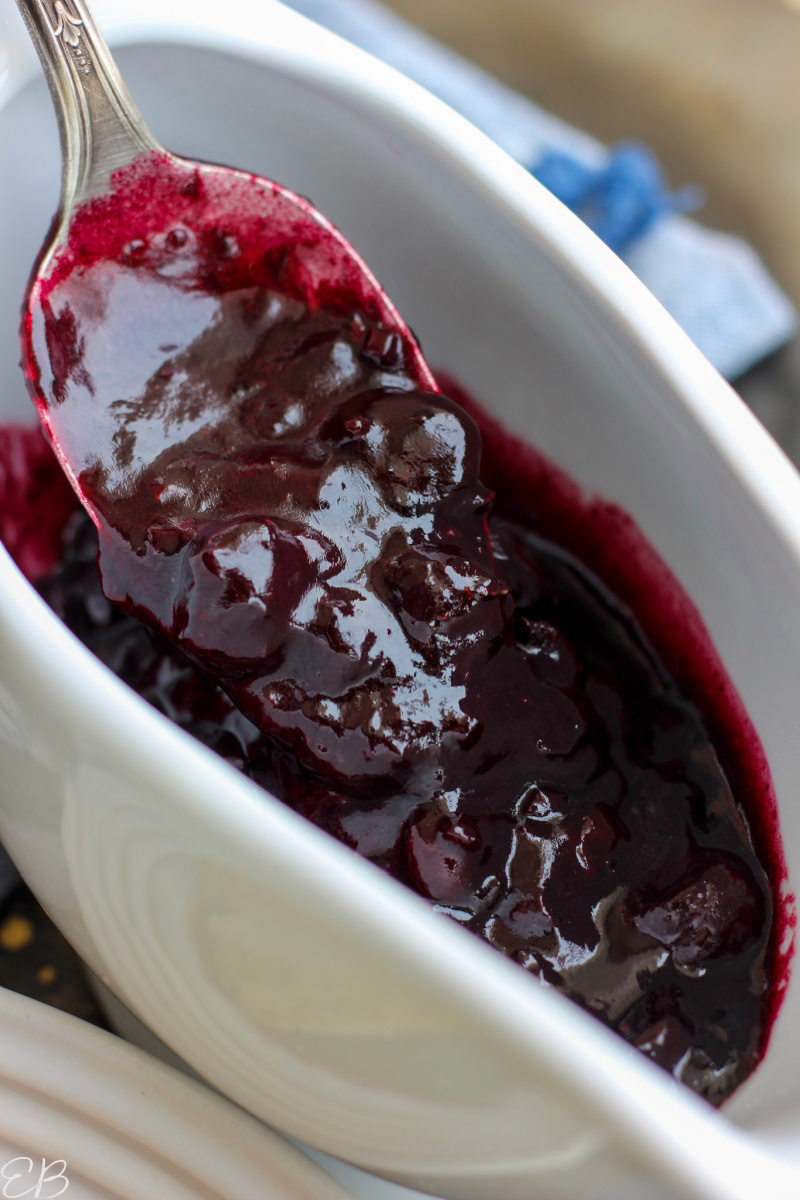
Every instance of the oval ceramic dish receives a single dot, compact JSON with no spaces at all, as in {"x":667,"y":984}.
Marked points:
{"x":298,"y":979}
{"x":81,"y":1112}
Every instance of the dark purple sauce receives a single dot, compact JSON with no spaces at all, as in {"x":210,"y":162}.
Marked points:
{"x":306,"y":571}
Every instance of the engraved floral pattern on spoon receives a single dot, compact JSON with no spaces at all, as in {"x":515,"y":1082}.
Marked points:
{"x":70,"y":29}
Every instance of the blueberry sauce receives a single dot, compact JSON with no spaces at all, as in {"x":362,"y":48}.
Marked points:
{"x":299,"y":563}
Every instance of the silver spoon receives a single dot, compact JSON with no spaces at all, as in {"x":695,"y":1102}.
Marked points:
{"x":103,"y":135}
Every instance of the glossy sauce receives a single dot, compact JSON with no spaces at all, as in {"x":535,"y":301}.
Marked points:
{"x":305,"y":569}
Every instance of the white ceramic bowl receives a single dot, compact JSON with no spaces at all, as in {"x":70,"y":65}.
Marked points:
{"x":296,"y":978}
{"x":82,"y":1112}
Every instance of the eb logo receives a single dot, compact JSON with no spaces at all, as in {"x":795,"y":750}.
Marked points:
{"x":23,"y":1177}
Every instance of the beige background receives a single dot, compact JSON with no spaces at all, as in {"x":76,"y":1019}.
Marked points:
{"x":712,"y":85}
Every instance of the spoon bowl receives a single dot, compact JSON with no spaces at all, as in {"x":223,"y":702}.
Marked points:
{"x":128,"y":203}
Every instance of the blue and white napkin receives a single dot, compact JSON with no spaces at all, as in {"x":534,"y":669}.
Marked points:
{"x":714,"y":285}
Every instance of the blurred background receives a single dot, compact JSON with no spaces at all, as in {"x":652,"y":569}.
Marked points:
{"x":712,"y":86}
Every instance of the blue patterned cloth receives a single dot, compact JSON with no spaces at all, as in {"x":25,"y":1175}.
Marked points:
{"x":621,"y":198}
{"x":714,"y":285}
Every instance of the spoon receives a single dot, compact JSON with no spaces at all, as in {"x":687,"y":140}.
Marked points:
{"x":158,"y":283}
{"x":122,"y":192}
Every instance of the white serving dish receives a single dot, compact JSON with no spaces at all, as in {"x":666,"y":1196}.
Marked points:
{"x":294,"y":977}
{"x":81,"y":1112}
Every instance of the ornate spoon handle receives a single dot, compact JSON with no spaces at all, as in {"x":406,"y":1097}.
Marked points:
{"x":101,"y":128}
